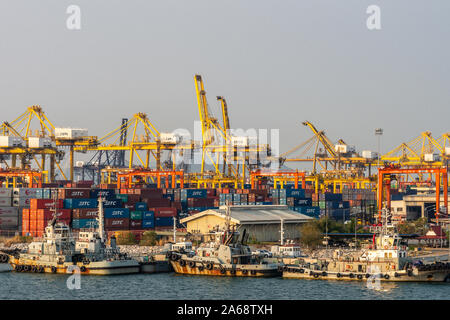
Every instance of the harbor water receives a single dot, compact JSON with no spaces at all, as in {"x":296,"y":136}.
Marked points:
{"x":169,"y":286}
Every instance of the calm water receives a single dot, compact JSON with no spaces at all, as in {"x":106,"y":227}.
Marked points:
{"x":171,"y":286}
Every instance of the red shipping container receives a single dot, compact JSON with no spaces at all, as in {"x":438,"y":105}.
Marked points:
{"x":85,"y":213}
{"x":45,"y":204}
{"x":149,"y":193}
{"x":61,"y":214}
{"x":210,"y":193}
{"x":25,"y":214}
{"x":135,"y":224}
{"x":165,"y":212}
{"x":25,"y":226}
{"x":154,"y":203}
{"x":117,"y":224}
{"x":33,"y":224}
{"x":132,"y":198}
{"x":74,"y":193}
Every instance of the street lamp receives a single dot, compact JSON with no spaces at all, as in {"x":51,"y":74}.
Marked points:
{"x":379,"y":133}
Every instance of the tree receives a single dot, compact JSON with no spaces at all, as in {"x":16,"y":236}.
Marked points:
{"x":149,"y":238}
{"x":126,"y":238}
{"x":310,"y":234}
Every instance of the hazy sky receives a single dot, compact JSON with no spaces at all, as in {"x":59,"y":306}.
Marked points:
{"x":278,"y":63}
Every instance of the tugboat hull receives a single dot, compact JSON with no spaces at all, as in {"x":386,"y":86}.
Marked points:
{"x":93,"y":268}
{"x":227,"y":271}
{"x":438,"y":275}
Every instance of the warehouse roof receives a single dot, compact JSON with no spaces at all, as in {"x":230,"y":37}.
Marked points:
{"x":259,"y":214}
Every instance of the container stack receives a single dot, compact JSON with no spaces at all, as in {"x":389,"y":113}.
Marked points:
{"x":10,"y":216}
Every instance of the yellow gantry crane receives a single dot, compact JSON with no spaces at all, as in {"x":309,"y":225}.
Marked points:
{"x":324,"y":152}
{"x":138,"y":137}
{"x":218,"y":142}
{"x":423,"y":150}
{"x":43,"y":142}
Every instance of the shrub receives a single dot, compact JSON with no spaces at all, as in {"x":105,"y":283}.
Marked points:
{"x":18,"y":239}
{"x":149,"y":238}
{"x":126,"y":238}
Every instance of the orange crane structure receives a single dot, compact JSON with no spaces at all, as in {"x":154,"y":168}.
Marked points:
{"x":143,"y":173}
{"x":293,"y":175}
{"x":384,"y":182}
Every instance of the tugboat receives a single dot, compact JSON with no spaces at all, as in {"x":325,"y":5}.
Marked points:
{"x":386,"y":260}
{"x":59,"y":252}
{"x":227,"y":255}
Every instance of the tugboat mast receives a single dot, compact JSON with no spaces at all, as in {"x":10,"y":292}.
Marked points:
{"x":101,"y":227}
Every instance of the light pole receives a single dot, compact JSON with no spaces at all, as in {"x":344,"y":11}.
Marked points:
{"x":379,"y":133}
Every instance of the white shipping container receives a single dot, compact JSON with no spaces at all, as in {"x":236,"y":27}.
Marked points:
{"x":70,"y":133}
{"x":340,"y":148}
{"x":9,"y":222}
{"x":39,"y":142}
{"x":24,"y":193}
{"x":171,"y":138}
{"x":9,"y":211}
{"x":6,"y":192}
{"x":367,"y":154}
{"x":10,"y":141}
{"x":430,"y":157}
{"x":239,"y":141}
{"x":21,"y":202}
{"x":5,"y":202}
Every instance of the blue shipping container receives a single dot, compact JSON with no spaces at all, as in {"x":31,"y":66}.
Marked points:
{"x":194,"y":193}
{"x":141,"y":206}
{"x":295,"y":193}
{"x":148,"y":215}
{"x":112,"y":203}
{"x":163,"y":221}
{"x":147,"y":224}
{"x":309,"y":211}
{"x":84,"y":223}
{"x":80,"y":203}
{"x":117,"y":213}
{"x":105,"y":193}
{"x":303,"y":202}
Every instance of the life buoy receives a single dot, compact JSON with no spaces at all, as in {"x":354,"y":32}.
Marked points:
{"x":201,"y":267}
{"x":26,"y":268}
{"x":359,"y":276}
{"x":396,"y":274}
{"x":3,"y":258}
{"x":232,"y":271}
{"x":18,"y":268}
{"x":367,"y":276}
{"x":302,"y":270}
{"x":209,"y":266}
{"x":244,"y":271}
{"x":316,"y":275}
{"x":182,"y":263}
{"x":40,"y":269}
{"x":191,"y":264}
{"x":83,"y":269}
{"x":324,"y":274}
{"x":173,"y":257}
{"x":33,"y":269}
{"x":386,"y":276}
{"x":222,"y":271}
{"x":338,"y":275}
{"x":54,"y":269}
{"x":351,"y":275}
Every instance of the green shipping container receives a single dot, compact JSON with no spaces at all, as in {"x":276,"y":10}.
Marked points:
{"x":123,"y":197}
{"x":136,"y":215}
